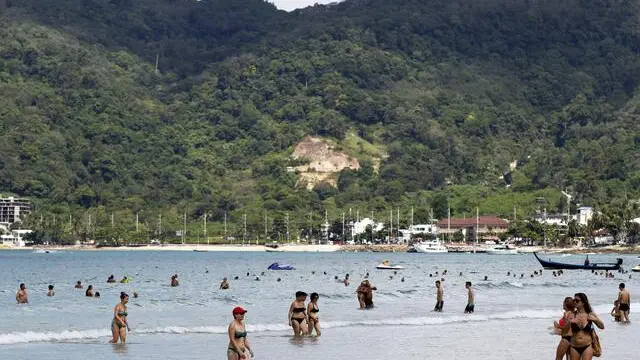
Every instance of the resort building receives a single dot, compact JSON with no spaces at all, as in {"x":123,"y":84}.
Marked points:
{"x":482,"y":227}
{"x":415,"y":230}
{"x":15,"y":238}
{"x":13,"y":210}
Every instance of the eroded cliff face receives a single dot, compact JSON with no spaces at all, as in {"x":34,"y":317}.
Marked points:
{"x":324,"y":162}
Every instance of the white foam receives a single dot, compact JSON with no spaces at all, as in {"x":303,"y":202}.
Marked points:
{"x":440,"y":319}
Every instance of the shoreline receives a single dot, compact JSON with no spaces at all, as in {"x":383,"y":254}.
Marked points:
{"x":613,"y":249}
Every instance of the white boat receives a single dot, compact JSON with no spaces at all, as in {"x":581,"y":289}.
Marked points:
{"x":386,"y":265}
{"x":505,"y":249}
{"x":433,"y":246}
{"x":636,"y":268}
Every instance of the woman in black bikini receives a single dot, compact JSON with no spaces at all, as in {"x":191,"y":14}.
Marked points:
{"x":565,"y":342}
{"x":238,"y":344}
{"x":313,"y":310}
{"x":298,"y":314}
{"x":582,"y":328}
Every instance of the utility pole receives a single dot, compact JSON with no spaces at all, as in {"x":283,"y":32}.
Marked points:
{"x":311,"y":227}
{"x":184,"y":229}
{"x":343,"y":226}
{"x":225,"y":226}
{"x":449,"y":223}
{"x":390,"y":226}
{"x":412,"y":218}
{"x":326,"y":223}
{"x":477,"y":225}
{"x":266,"y":231}
{"x":287,"y":223}
{"x":137,"y":219}
{"x":112,"y":220}
{"x":205,"y":227}
{"x":244,"y":232}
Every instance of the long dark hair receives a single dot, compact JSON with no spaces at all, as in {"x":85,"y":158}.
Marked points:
{"x":585,"y":302}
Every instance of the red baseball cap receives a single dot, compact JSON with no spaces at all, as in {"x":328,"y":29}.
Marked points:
{"x":238,"y":310}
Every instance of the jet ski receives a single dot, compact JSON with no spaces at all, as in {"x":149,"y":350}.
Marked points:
{"x":277,"y":266}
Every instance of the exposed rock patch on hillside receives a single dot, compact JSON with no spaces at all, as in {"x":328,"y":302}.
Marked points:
{"x":324,"y":162}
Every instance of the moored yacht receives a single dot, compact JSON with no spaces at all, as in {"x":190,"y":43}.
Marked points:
{"x":432,"y":246}
{"x":503,"y":249}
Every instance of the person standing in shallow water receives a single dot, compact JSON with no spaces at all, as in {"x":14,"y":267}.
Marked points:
{"x":624,"y":303}
{"x":21,"y":296}
{"x":365,"y":294}
{"x":439,"y":297}
{"x":174,"y":280}
{"x":119,"y":324}
{"x":564,"y":346}
{"x":51,"y":291}
{"x":582,"y":328}
{"x":238,"y":343}
{"x":298,"y":314}
{"x":312,"y":312}
{"x":470,"y":299}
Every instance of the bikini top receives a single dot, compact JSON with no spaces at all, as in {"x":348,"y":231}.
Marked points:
{"x":299,"y":309}
{"x":241,"y":334}
{"x":122,"y":313}
{"x":575,"y":327}
{"x":314,"y":310}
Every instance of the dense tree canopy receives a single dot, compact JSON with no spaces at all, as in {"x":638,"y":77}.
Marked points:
{"x":448,"y":94}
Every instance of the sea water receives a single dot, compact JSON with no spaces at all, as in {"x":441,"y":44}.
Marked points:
{"x":512,"y":319}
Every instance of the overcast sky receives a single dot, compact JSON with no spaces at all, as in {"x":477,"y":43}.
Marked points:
{"x":296,"y":4}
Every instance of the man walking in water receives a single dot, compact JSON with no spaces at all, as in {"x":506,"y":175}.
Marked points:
{"x":21,"y":296}
{"x":440,"y":296}
{"x":470,"y":299}
{"x":624,"y":297}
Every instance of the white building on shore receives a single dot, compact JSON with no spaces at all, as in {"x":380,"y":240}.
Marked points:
{"x":15,"y":238}
{"x":414,"y":230}
{"x":13,"y":209}
{"x":360,"y":227}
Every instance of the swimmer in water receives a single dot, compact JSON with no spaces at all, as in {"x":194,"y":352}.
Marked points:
{"x":298,"y":314}
{"x":124,"y":280}
{"x":224,"y":285}
{"x":174,"y":280}
{"x":582,"y":328}
{"x":21,"y":296}
{"x":312,"y":311}
{"x":78,"y":285}
{"x":470,"y":308}
{"x":119,"y":324}
{"x":97,"y":295}
{"x":89,"y":292}
{"x":111,"y":279}
{"x":238,"y":344}
{"x":565,"y":332}
{"x":346,"y":280}
{"x":51,"y":291}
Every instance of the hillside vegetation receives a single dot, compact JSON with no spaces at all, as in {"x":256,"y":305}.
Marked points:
{"x":434,"y":98}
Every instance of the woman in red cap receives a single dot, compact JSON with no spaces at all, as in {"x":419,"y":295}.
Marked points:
{"x":238,"y":344}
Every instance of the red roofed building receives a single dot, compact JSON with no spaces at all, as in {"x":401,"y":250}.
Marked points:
{"x":488,"y":227}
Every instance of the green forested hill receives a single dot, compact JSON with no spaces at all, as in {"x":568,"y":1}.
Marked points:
{"x":452,"y":91}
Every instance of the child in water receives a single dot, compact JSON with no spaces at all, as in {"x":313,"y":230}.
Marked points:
{"x":615,"y":312}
